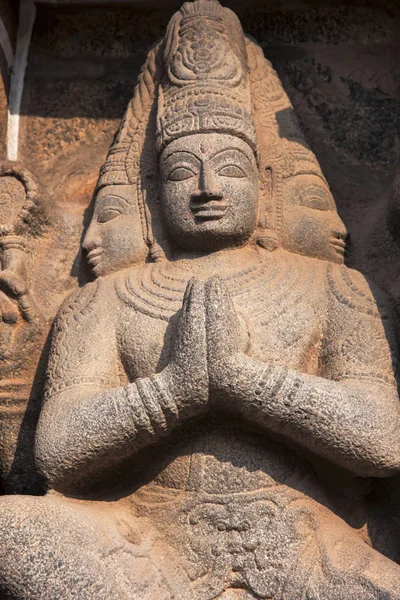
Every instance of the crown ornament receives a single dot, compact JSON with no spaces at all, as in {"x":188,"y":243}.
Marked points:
{"x":206,"y":86}
{"x":207,"y":76}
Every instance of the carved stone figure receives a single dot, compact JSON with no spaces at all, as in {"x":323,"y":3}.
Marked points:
{"x":110,"y":243}
{"x":19,"y":205}
{"x":191,"y":399}
{"x":24,"y":217}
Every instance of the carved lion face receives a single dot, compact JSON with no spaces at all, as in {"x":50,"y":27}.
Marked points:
{"x":114,"y":238}
{"x":209,"y":191}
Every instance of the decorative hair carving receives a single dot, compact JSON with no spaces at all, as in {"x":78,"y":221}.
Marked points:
{"x":283,"y":151}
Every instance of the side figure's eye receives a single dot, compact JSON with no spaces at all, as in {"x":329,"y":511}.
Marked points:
{"x":180,"y":174}
{"x":109,"y":213}
{"x":317,"y":203}
{"x":315,"y":197}
{"x":231,"y":171}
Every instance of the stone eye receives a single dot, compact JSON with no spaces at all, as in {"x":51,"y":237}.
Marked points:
{"x":314,"y":198}
{"x":181,"y":174}
{"x":109,"y":213}
{"x":221,"y":526}
{"x":231,"y":171}
{"x":317,"y":203}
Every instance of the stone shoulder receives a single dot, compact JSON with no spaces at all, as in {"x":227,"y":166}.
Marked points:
{"x":78,"y":304}
{"x":361,"y":341}
{"x":95,"y":296}
{"x":82,"y":339}
{"x":349,"y":289}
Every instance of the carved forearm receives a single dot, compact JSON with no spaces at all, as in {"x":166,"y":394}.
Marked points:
{"x":83,"y":437}
{"x":358,"y":430}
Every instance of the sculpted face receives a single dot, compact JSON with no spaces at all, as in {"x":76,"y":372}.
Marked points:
{"x":209,"y":191}
{"x":311,"y":225}
{"x":114,"y":238}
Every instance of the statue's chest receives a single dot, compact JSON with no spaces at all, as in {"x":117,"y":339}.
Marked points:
{"x":282,"y":310}
{"x":286,"y":333}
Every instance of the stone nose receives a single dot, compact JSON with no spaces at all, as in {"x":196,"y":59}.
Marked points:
{"x":90,"y":241}
{"x":235,"y":548}
{"x":338,"y":228}
{"x":208,"y":188}
{"x":235,"y":543}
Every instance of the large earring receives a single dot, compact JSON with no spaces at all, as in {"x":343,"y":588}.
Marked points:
{"x":267,"y":239}
{"x":156,"y":253}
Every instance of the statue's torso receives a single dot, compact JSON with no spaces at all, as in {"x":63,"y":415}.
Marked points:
{"x":240,"y":508}
{"x":238,"y":495}
{"x":283,"y":305}
{"x":281,"y":299}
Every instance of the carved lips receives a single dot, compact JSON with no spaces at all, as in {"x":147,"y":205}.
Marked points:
{"x":339,"y":245}
{"x":209,"y":210}
{"x":94,"y":256}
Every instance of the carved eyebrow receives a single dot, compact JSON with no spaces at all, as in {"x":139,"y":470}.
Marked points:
{"x":231,"y":150}
{"x":109,"y":197}
{"x":191,"y":154}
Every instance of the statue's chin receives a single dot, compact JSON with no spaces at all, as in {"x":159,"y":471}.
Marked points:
{"x":208,"y":240}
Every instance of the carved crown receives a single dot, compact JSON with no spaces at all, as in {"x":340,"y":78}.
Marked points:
{"x":206,"y":85}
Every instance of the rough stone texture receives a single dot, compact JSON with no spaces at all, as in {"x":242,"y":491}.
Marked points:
{"x":221,"y":403}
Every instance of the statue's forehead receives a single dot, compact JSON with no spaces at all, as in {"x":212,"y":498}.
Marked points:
{"x":303,"y":189}
{"x":125,"y":193}
{"x":207,"y":145}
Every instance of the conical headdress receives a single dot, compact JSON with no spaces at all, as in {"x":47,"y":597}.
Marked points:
{"x":206,"y":86}
{"x":207,"y":76}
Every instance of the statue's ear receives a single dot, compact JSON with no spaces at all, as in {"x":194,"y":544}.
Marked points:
{"x":267,"y":239}
{"x":267,"y":234}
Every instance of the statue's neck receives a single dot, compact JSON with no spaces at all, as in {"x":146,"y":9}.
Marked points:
{"x":223,"y":262}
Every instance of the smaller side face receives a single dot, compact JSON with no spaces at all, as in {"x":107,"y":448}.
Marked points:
{"x":12,"y":198}
{"x":114,"y":238}
{"x":311,"y":224}
{"x":209,"y":191}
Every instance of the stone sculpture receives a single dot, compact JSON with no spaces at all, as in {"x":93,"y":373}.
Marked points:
{"x":191,"y":398}
{"x":24,"y":218}
{"x":20,"y":207}
{"x":120,"y":244}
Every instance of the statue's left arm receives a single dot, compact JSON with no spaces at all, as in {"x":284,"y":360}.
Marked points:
{"x":351,"y":413}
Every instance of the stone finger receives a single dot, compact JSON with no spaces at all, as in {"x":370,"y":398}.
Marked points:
{"x":8,"y":312}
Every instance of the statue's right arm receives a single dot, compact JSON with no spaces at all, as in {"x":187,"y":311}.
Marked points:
{"x":89,"y":424}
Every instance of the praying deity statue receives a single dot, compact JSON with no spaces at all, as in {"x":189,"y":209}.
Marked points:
{"x":222,"y":360}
